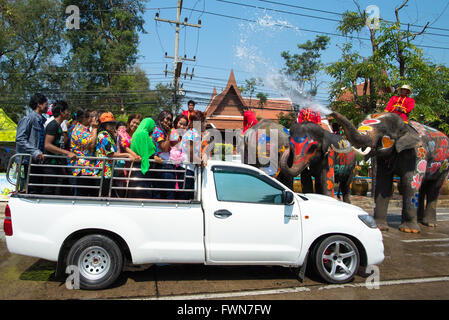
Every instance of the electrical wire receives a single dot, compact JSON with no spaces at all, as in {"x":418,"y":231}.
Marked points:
{"x":307,"y":30}
{"x":340,"y":14}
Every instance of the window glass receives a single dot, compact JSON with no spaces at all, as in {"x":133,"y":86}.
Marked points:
{"x":241,"y":187}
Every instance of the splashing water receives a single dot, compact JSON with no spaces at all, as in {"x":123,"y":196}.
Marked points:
{"x":250,"y":57}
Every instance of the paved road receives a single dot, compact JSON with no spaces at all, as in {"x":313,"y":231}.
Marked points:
{"x":415,"y":267}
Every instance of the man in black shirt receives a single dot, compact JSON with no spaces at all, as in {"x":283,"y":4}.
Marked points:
{"x":55,"y":145}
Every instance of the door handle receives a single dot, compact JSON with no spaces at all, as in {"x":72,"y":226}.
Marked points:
{"x":222,"y":214}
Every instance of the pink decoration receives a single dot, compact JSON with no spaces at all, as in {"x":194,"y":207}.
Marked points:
{"x":422,"y":165}
{"x":416,"y":183}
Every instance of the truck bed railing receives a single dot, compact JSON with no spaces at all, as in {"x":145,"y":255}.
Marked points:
{"x":32,"y":177}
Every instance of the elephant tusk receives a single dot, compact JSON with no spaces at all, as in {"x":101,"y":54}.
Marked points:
{"x":363,"y":153}
{"x":344,"y":150}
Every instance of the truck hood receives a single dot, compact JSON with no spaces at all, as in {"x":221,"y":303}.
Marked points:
{"x":319,"y":200}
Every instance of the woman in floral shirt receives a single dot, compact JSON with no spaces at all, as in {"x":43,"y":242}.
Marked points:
{"x":82,"y":143}
{"x":106,"y":147}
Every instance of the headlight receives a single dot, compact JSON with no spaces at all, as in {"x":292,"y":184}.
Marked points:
{"x":368,"y":220}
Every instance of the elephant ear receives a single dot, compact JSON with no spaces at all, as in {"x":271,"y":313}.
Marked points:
{"x":409,"y":140}
{"x":336,"y":142}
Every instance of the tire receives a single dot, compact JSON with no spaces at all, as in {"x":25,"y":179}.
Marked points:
{"x":336,"y":259}
{"x":99,"y":260}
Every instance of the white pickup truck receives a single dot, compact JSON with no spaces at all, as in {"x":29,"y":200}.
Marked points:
{"x":239,"y":216}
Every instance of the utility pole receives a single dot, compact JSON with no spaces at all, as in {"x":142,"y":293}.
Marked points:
{"x":177,"y":60}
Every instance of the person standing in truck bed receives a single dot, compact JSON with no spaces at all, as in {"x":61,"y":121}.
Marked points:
{"x":30,"y":139}
{"x":55,"y":145}
{"x":106,"y":147}
{"x":83,"y":143}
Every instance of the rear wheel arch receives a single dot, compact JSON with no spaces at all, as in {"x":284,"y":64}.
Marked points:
{"x":75,"y":236}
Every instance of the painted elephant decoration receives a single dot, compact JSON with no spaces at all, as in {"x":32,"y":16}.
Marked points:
{"x":256,"y":145}
{"x":416,"y":153}
{"x":315,"y":152}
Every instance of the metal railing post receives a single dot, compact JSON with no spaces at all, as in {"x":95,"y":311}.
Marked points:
{"x":27,"y":181}
{"x":112,"y":178}
{"x":102,"y":177}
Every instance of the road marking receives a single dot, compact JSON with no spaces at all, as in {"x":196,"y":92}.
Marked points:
{"x":230,"y":294}
{"x":426,"y":240}
{"x":293,"y":290}
{"x":385,"y":283}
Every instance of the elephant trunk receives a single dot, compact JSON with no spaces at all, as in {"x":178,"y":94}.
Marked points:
{"x":294,"y":169}
{"x":356,"y":138}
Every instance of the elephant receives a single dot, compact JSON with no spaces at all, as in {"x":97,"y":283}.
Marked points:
{"x":328,"y":157}
{"x":254,"y":147}
{"x":415,"y":152}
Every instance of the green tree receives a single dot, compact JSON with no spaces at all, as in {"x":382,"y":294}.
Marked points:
{"x":262,"y":99}
{"x":287,"y":119}
{"x":303,"y":68}
{"x":30,"y":43}
{"x":394,"y":61}
{"x":104,"y":50}
{"x":164,"y":98}
{"x":250,"y":87}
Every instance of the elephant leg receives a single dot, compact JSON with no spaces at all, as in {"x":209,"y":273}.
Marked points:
{"x":410,"y":202}
{"x":431,"y":191}
{"x":324,"y":184}
{"x":422,"y":201}
{"x":319,"y":185}
{"x":382,"y":195}
{"x":306,"y":181}
{"x":345,"y":184}
{"x":285,"y":179}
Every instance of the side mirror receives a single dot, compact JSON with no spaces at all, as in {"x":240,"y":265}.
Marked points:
{"x":289,"y":198}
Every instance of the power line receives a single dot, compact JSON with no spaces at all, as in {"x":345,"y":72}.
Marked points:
{"x":304,"y":15}
{"x":340,"y":14}
{"x":277,"y":10}
{"x":306,"y":30}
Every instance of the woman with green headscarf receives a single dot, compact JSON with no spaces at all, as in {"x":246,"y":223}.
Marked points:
{"x":143,"y":145}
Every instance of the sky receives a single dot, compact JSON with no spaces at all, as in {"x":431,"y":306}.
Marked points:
{"x":249,"y":36}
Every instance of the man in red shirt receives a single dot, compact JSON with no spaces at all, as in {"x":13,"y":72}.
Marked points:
{"x":249,"y":120}
{"x":401,"y":105}
{"x":191,"y":108}
{"x":310,"y":115}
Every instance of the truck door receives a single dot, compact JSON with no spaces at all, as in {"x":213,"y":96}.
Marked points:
{"x":247,"y":221}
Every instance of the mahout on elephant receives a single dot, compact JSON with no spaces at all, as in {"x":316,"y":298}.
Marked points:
{"x":418,"y":154}
{"x":315,"y":152}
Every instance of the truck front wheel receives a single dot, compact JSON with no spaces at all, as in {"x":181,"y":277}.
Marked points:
{"x":98,"y":259}
{"x":336,"y":259}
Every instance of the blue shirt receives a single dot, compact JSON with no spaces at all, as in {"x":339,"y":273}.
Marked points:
{"x":30,"y":135}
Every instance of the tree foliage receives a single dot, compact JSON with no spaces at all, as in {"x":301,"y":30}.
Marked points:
{"x":104,"y":51}
{"x":93,"y":67}
{"x":364,"y":84}
{"x":30,"y":43}
{"x":304,"y":67}
{"x":250,"y":88}
{"x":286,"y":119}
